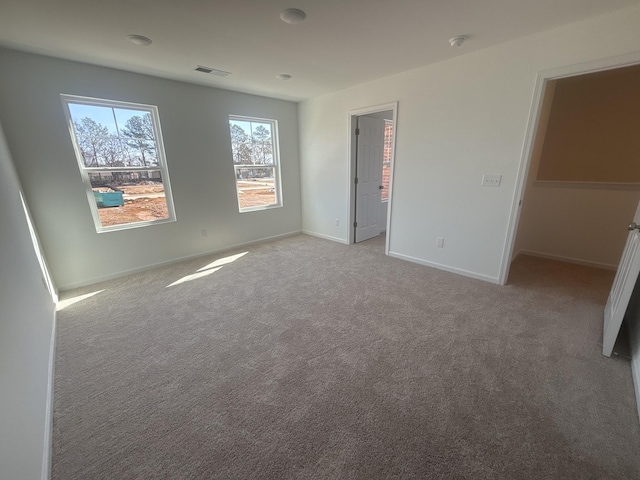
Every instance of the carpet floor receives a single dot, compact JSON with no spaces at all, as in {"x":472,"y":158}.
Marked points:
{"x":304,"y":358}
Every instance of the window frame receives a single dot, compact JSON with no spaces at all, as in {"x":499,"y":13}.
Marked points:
{"x":388,"y":162}
{"x":85,"y":171}
{"x":275,"y":138}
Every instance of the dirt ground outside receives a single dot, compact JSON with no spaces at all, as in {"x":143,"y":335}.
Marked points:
{"x":147,"y":202}
{"x":144,"y":202}
{"x":256,"y":193}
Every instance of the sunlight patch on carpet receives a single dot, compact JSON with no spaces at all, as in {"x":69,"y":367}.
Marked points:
{"x":223,"y":261}
{"x":194,"y":276}
{"x":62,"y":304}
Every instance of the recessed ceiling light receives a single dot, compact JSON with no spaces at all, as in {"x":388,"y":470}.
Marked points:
{"x":139,"y":40}
{"x":283,"y":76}
{"x":293,"y":15}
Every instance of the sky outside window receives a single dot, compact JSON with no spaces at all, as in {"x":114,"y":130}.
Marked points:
{"x":104,"y":115}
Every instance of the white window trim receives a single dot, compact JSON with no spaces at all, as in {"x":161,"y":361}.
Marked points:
{"x":276,"y":164}
{"x":387,"y":122}
{"x":84,"y":170}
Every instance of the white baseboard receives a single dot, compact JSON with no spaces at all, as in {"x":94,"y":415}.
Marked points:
{"x":124,"y":273}
{"x":635,"y":360}
{"x":635,"y":373}
{"x":446,"y":268}
{"x":326,"y":237}
{"x":48,"y":419}
{"x":561,"y":258}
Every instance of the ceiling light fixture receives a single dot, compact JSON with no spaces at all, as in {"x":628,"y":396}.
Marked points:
{"x":293,"y":16}
{"x":283,"y":76}
{"x":457,"y":41}
{"x":139,"y":40}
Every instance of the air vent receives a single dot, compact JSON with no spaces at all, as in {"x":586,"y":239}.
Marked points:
{"x":212,"y":71}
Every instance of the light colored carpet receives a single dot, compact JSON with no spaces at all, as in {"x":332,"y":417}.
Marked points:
{"x":307,"y":359}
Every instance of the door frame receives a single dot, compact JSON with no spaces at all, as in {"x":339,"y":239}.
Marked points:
{"x":524,"y":166}
{"x":352,"y":144}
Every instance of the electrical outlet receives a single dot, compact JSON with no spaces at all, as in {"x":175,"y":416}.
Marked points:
{"x":337,"y":222}
{"x":440,"y":242}
{"x":203,"y":232}
{"x":491,"y":180}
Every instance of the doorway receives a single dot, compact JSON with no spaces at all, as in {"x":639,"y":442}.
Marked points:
{"x":528,"y":170}
{"x":372,"y":135}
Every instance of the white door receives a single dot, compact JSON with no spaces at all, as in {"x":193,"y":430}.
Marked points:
{"x":622,"y":288}
{"x":369,"y":177}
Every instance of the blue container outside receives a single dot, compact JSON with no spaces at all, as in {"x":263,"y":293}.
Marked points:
{"x":108,"y":199}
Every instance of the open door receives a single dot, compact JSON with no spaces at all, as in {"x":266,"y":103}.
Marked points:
{"x":368,"y":177}
{"x":622,"y":288}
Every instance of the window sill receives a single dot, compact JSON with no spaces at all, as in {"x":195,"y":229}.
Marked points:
{"x":129,"y":226}
{"x":257,"y":209}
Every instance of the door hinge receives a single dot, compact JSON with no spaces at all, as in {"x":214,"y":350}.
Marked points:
{"x":357,"y":131}
{"x":355,"y":180}
{"x":355,"y":224}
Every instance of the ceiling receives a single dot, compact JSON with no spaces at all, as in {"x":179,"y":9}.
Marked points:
{"x":342,"y":43}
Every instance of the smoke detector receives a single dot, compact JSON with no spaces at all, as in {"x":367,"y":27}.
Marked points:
{"x":139,"y":40}
{"x":457,"y":41}
{"x":293,"y":16}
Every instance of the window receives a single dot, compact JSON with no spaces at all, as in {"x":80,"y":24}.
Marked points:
{"x":121,"y":159}
{"x":386,"y":159}
{"x":254,"y":144}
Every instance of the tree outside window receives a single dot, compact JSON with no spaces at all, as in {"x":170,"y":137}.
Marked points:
{"x":254,"y":147}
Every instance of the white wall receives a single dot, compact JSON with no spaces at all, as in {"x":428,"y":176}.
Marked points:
{"x":26,"y":335}
{"x":383,"y":215}
{"x":584,"y":225}
{"x":456,"y":121}
{"x":194,"y":122}
{"x":385,"y":115}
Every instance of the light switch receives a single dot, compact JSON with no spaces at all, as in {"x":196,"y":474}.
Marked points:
{"x":491,"y":180}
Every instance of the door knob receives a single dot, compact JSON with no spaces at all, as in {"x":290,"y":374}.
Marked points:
{"x":634,"y":226}
{"x":381,"y":187}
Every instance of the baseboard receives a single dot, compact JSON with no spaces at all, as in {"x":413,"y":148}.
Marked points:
{"x":124,"y":273}
{"x":48,"y":419}
{"x":635,"y":372}
{"x":446,"y":268}
{"x":561,"y":258}
{"x":326,"y":237}
{"x":635,"y":361}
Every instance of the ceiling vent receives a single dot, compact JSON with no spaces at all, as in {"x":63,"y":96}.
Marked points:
{"x":212,"y":71}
